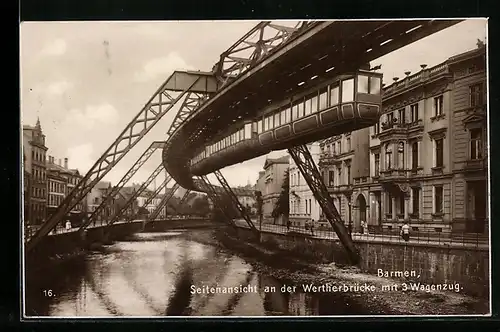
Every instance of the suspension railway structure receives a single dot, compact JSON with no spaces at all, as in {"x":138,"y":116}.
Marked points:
{"x":278,"y":87}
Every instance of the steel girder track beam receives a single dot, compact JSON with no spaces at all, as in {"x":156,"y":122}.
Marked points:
{"x":139,"y":191}
{"x":116,"y":189}
{"x":235,"y":200}
{"x":255,"y":45}
{"x":304,"y":161}
{"x":154,"y":110}
{"x":163,"y":203}
{"x":152,"y":197}
{"x":216,"y":200}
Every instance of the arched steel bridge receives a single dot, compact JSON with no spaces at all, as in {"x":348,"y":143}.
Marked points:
{"x":271,"y":63}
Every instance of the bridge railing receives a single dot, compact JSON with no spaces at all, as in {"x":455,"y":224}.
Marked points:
{"x":454,"y":240}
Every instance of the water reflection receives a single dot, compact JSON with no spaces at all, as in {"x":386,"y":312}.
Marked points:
{"x":153,"y":274}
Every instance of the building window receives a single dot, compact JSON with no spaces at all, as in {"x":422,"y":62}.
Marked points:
{"x":390,"y":118}
{"x":339,"y":148}
{"x":402,"y":116}
{"x":348,"y":144}
{"x":415,"y":201}
{"x":414,"y":155}
{"x":401,"y":155}
{"x":323,"y":99}
{"x":476,"y":95}
{"x":331,"y":178}
{"x":401,"y":205}
{"x":340,"y":182}
{"x":388,"y":157}
{"x":438,"y":106}
{"x":334,"y":95}
{"x":389,"y":203}
{"x":377,"y":164}
{"x":348,"y":174}
{"x":438,"y":199}
{"x":476,"y":144}
{"x":414,"y":112}
{"x":376,"y":128}
{"x":439,"y":153}
{"x":348,"y":90}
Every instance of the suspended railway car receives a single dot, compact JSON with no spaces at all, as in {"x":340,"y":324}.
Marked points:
{"x":344,"y":104}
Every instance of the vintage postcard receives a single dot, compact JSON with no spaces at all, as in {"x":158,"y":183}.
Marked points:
{"x":243,"y":168}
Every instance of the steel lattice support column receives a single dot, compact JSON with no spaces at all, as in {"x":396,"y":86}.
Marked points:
{"x":153,"y":196}
{"x":183,"y":199}
{"x":139,"y":191}
{"x":235,"y":200}
{"x":216,"y":200}
{"x":131,"y":172}
{"x":163,"y":203}
{"x":304,"y":161}
{"x":162,"y":101}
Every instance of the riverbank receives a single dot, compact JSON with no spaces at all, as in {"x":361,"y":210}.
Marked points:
{"x":382,"y":297}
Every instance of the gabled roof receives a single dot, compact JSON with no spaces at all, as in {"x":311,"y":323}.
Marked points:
{"x":281,"y":160}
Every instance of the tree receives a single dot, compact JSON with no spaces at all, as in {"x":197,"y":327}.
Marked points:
{"x":200,"y":206}
{"x":282,"y":206}
{"x":229,"y":208}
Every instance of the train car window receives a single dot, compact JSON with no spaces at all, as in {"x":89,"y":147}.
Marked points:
{"x":301,"y":109}
{"x":314,"y":104}
{"x":374,"y":85}
{"x":288,"y":114}
{"x":295,"y":112}
{"x":334,"y":95}
{"x":307,"y":107}
{"x":276,"y":120}
{"x":282,"y":117}
{"x":348,"y":90}
{"x":254,"y":127}
{"x":323,"y":99}
{"x":266,"y":124}
{"x":259,"y":127}
{"x":247,"y":131}
{"x":271,"y":122}
{"x":363,"y":84}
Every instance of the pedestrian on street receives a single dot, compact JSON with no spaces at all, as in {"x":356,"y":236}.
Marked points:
{"x":362,"y":231}
{"x":288,"y":225}
{"x":68,"y":225}
{"x":312,"y":227}
{"x":405,"y":231}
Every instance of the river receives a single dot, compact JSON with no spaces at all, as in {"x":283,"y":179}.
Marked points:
{"x":166,"y":274}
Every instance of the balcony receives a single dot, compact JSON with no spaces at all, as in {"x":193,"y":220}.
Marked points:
{"x":476,"y":164}
{"x":403,"y":129}
{"x":394,"y":174}
{"x":340,"y":189}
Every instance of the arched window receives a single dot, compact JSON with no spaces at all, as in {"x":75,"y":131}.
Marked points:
{"x":388,"y":157}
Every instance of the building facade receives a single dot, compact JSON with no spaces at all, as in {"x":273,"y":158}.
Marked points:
{"x":246,"y":197}
{"x":35,"y":151}
{"x":302,"y":205}
{"x":96,"y":196}
{"x":428,"y":163}
{"x":145,"y":196}
{"x":344,"y":166}
{"x":274,"y":173}
{"x":61,"y":180}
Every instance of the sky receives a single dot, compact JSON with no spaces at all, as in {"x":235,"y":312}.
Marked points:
{"x":85,"y":81}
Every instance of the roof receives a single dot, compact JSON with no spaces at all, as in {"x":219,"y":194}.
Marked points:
{"x":281,"y":160}
{"x":243,"y":192}
{"x":103,"y":185}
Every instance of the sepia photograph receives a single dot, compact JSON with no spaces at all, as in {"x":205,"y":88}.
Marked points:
{"x":218,"y":169}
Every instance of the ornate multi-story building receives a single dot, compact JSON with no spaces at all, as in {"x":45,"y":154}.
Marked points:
{"x":344,"y":165}
{"x":274,"y":174}
{"x":428,"y":154}
{"x":425,"y":162}
{"x":303,"y":205}
{"x":34,"y":163}
{"x":60,"y":182}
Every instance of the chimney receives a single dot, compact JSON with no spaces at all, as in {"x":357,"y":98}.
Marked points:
{"x":66,"y":163}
